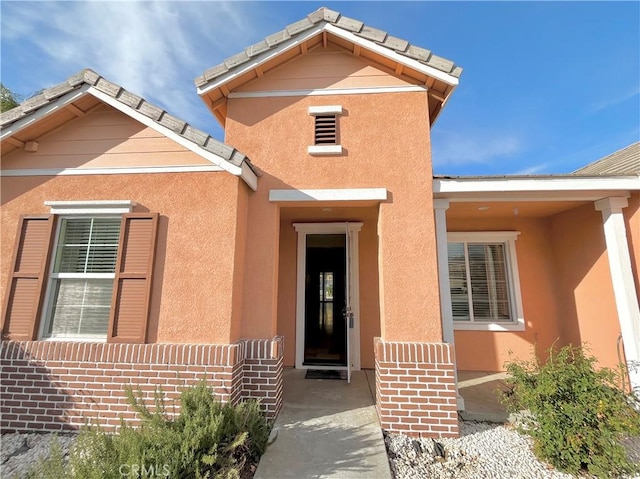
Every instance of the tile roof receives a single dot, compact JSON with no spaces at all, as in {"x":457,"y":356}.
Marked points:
{"x":327,"y":16}
{"x":157,"y":114}
{"x":623,"y":162}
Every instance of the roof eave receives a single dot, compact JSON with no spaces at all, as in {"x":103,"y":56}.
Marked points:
{"x":543,"y":188}
{"x":309,"y":34}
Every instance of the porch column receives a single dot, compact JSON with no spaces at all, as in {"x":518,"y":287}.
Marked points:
{"x":623,"y":284}
{"x":440,"y":207}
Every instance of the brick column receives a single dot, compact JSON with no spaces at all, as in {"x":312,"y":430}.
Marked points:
{"x":415,"y":388}
{"x":262,"y":373}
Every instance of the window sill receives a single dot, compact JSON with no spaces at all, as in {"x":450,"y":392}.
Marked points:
{"x":478,"y":326}
{"x":325,"y":150}
{"x":75,"y":340}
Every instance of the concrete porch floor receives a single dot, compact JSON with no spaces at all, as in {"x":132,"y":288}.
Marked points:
{"x":326,"y":429}
{"x":481,"y":399}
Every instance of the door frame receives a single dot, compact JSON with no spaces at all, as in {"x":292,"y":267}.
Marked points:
{"x":303,"y":229}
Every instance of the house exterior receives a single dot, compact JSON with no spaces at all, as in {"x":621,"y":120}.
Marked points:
{"x":138,"y":250}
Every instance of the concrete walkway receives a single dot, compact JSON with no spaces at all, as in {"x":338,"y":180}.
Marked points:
{"x":326,"y":429}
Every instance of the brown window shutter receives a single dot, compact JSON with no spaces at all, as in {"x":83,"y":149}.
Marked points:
{"x":132,"y":284}
{"x":23,"y":302}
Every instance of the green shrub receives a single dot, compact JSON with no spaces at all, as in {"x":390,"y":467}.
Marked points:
{"x":208,"y":439}
{"x":578,"y":415}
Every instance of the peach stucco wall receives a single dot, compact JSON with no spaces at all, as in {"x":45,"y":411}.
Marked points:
{"x":587,"y":308}
{"x":489,"y":350}
{"x":193,"y":282}
{"x":104,"y":137}
{"x":386,"y":144}
{"x":632,"y":223}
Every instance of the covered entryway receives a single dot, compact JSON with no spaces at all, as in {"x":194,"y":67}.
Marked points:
{"x":328,"y":307}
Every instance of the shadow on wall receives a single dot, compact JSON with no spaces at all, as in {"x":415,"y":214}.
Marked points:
{"x":29,"y":398}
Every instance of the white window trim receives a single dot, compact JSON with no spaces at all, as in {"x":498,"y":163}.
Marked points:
{"x":94,"y":207}
{"x":75,"y":209}
{"x":325,"y":110}
{"x":508,"y":238}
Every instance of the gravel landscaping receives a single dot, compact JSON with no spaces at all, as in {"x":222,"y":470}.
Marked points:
{"x":483,"y":450}
{"x":20,"y":451}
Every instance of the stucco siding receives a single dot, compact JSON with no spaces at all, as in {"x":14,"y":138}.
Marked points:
{"x":193,"y":281}
{"x":275,"y":133}
{"x":585,"y":293}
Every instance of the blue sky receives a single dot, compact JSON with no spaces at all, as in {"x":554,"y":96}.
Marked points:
{"x":547,"y":87}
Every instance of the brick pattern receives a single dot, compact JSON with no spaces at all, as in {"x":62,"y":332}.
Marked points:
{"x":56,"y":386}
{"x":262,"y":373}
{"x":415,"y":388}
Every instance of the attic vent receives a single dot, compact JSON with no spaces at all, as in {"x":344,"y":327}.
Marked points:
{"x":326,"y":130}
{"x":325,"y":133}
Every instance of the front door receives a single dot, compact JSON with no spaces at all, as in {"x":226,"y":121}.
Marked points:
{"x":325,"y":341}
{"x":327,"y":311}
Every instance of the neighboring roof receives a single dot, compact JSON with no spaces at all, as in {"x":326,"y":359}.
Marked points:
{"x":197,"y":138}
{"x":623,"y":162}
{"x":327,"y":16}
{"x":414,"y":64}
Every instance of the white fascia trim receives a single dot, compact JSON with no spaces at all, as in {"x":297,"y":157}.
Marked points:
{"x":295,"y":42}
{"x":145,"y":120}
{"x":520,"y":185}
{"x":324,"y":150}
{"x":259,"y":60}
{"x":110,"y":170}
{"x":44,"y":111}
{"x":325,"y":110}
{"x":115,"y":207}
{"x":249,"y":177}
{"x":354,"y":194}
{"x":385,"y":52}
{"x":328,"y":91}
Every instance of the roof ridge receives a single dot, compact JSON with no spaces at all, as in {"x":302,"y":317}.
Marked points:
{"x":331,"y":17}
{"x":158,"y":115}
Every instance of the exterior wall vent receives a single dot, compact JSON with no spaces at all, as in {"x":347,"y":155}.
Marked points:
{"x":325,"y":133}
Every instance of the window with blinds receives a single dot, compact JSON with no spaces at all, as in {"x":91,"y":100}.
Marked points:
{"x":479,"y":282}
{"x":82,"y":278}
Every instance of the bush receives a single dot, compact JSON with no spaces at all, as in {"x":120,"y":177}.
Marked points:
{"x":207,"y":439}
{"x":578,"y":415}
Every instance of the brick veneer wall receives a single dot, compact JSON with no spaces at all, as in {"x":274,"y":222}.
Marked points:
{"x":48,"y":385}
{"x":262,"y":373}
{"x":415,"y":388}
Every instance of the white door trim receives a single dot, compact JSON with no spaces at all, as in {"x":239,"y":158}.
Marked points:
{"x":303,"y":230}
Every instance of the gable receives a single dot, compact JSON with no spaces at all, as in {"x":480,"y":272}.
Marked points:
{"x":103,"y":138}
{"x":325,"y":67}
{"x":324,"y":27}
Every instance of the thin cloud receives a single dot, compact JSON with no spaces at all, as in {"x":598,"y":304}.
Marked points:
{"x":604,"y":104}
{"x":473,"y":148}
{"x":533,"y":170}
{"x":153,"y":49}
